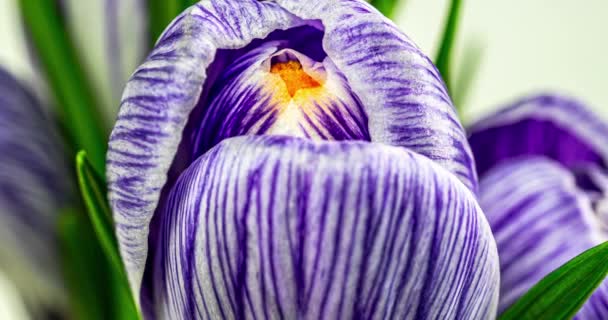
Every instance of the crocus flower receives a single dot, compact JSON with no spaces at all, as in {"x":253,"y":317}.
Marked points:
{"x":544,"y":187}
{"x":33,"y":189}
{"x":296,"y":159}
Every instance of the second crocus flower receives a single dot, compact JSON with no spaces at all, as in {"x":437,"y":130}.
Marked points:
{"x":33,"y":190}
{"x":544,"y":188}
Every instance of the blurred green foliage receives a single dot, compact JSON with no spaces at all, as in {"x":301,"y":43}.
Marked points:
{"x":75,"y":102}
{"x":467,"y":70}
{"x":444,"y":56}
{"x":84,"y":267}
{"x":387,"y":7}
{"x":162,"y":12}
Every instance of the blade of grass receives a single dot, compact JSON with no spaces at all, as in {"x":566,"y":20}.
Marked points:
{"x":86,"y":279}
{"x":563,"y":292}
{"x":162,"y":12}
{"x":93,"y":191}
{"x":387,"y":7}
{"x":444,"y":55}
{"x":74,"y":97}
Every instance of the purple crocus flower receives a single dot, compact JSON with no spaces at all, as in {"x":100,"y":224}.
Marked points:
{"x":544,"y":188}
{"x":33,"y":189}
{"x":296,"y":159}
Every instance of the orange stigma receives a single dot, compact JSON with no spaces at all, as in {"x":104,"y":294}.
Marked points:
{"x":294,"y":76}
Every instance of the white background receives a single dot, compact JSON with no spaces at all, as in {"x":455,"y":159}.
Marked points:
{"x":528,"y":46}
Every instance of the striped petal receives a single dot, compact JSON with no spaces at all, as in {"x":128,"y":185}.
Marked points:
{"x":556,"y":127}
{"x":276,"y":227}
{"x":165,"y":117}
{"x":33,"y":188}
{"x":262,"y":100}
{"x":542,"y":216}
{"x":111,"y":37}
{"x":402,"y":92}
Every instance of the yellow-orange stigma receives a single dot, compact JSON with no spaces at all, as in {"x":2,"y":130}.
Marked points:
{"x":294,"y":76}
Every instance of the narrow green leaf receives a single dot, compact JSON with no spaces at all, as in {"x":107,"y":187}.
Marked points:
{"x":123,"y":307}
{"x":93,"y":193}
{"x":162,"y":12}
{"x":447,"y":42}
{"x":387,"y":7}
{"x":563,"y":292}
{"x":83,"y":267}
{"x":93,"y":190}
{"x":74,"y":97}
{"x":467,"y":70}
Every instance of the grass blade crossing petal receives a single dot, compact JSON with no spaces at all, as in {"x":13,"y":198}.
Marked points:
{"x":93,"y":190}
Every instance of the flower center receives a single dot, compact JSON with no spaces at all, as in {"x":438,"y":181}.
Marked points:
{"x":279,"y":91}
{"x":294,"y":76}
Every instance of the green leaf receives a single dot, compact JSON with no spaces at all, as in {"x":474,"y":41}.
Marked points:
{"x":74,"y":97}
{"x":563,"y":292}
{"x":387,"y":7}
{"x":447,"y":42}
{"x":83,"y":266}
{"x":162,"y":12}
{"x":93,"y":193}
{"x":93,"y":190}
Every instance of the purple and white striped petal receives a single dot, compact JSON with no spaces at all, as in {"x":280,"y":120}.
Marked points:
{"x":111,"y":37}
{"x":274,"y":227}
{"x":401,"y":95}
{"x":156,"y":104}
{"x":258,"y":101}
{"x":402,"y":92}
{"x":541,"y":217}
{"x":33,"y":189}
{"x":553,"y":126}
